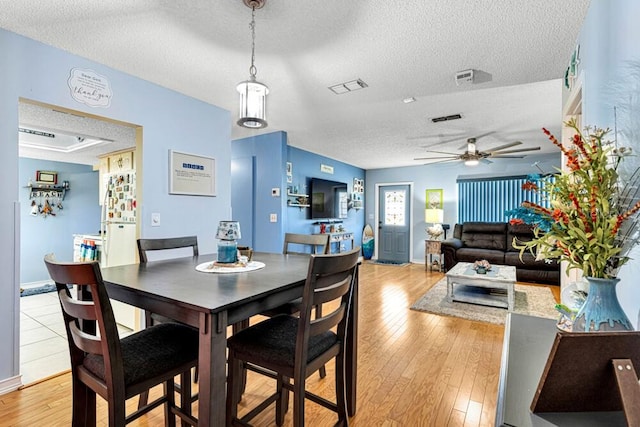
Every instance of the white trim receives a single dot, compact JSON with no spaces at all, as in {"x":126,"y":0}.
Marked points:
{"x":10,"y":384}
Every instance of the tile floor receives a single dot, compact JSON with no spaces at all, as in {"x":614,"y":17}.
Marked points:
{"x":43,"y":341}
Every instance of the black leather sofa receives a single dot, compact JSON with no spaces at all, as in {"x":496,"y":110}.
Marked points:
{"x":473,"y":241}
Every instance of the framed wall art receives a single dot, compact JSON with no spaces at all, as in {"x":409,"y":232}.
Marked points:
{"x":191,"y":174}
{"x":434,"y":199}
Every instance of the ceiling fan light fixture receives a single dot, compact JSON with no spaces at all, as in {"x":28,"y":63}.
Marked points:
{"x":253,"y":94}
{"x":471,"y":162}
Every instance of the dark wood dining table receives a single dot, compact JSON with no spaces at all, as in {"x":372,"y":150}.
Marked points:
{"x":213,"y":301}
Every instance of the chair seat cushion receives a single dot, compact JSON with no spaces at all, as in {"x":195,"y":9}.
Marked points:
{"x":274,"y":341}
{"x":151,"y":352}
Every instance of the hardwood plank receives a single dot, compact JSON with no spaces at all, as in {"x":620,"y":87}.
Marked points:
{"x":414,"y":369}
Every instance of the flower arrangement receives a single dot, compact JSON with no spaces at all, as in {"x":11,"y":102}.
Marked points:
{"x":592,"y":222}
{"x":482,"y":265}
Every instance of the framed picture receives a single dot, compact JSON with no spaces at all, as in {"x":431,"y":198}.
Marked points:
{"x":289,"y":169}
{"x":434,"y":199}
{"x":47,"y":177}
{"x":191,"y":174}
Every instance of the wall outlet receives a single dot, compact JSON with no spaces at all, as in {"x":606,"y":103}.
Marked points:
{"x":155,"y":220}
{"x":273,"y":217}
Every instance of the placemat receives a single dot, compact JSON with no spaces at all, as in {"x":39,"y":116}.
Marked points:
{"x":210,"y":267}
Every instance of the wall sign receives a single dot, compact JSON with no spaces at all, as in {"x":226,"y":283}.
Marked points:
{"x":90,"y":88}
{"x":191,"y":174}
{"x":326,"y":168}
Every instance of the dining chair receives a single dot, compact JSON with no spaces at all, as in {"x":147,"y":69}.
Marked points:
{"x":296,"y":346}
{"x":302,"y":244}
{"x":118,"y":369}
{"x":164,"y":244}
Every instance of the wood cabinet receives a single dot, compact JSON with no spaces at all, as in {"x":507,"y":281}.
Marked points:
{"x":431,"y":248}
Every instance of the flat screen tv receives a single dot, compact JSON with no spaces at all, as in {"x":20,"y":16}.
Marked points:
{"x":329,"y":199}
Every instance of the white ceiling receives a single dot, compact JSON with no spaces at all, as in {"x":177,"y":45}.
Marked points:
{"x":399,"y":48}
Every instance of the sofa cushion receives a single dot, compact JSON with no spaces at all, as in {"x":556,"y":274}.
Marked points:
{"x":522,"y":232}
{"x":529,"y":261}
{"x":485,"y":235}
{"x":475,"y":254}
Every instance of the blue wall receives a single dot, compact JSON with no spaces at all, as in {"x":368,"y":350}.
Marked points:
{"x":167,"y":120}
{"x":53,"y":234}
{"x":610,"y":68}
{"x":268,"y":154}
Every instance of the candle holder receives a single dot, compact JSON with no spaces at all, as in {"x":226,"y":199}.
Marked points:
{"x":228,"y":233}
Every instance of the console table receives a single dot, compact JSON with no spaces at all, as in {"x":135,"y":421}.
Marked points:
{"x":527,"y":343}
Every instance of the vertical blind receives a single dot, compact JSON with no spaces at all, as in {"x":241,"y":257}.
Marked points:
{"x":487,"y":199}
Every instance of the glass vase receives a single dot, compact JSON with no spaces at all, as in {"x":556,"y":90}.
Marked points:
{"x":227,"y":251}
{"x":601,"y":312}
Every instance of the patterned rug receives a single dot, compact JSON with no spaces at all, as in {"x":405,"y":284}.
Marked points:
{"x":49,"y":287}
{"x":531,"y":300}
{"x":383,"y":262}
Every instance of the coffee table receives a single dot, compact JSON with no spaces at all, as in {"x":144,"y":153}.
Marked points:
{"x":465,"y":285}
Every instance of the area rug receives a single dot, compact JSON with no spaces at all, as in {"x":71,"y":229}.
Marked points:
{"x":49,"y":287}
{"x":383,"y":262}
{"x":530,"y":300}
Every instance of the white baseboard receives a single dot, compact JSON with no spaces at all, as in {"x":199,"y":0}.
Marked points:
{"x":10,"y":384}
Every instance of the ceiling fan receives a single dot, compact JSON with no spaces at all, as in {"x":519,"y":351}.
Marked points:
{"x":472,"y":156}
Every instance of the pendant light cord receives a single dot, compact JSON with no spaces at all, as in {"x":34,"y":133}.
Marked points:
{"x":253,"y":70}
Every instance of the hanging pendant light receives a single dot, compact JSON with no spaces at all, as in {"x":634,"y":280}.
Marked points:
{"x":253,"y":94}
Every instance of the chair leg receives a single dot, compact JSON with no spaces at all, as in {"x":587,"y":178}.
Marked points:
{"x":341,"y":390}
{"x":84,"y":405}
{"x":185,"y":395}
{"x":237,"y":327}
{"x":298,"y":403}
{"x":233,"y":389}
{"x":170,"y":393}
{"x":282,"y":404}
{"x":143,"y":399}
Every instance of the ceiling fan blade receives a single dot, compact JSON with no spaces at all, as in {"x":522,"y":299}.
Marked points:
{"x":499,"y":156}
{"x":443,"y":152}
{"x":441,"y":161}
{"x":485,"y":161}
{"x":476,"y":138}
{"x":519,"y":150}
{"x":436,"y":158}
{"x":502,"y":147}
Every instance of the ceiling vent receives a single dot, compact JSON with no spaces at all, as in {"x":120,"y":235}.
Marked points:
{"x":464,"y":77}
{"x":348,"y":86}
{"x":446,"y":118}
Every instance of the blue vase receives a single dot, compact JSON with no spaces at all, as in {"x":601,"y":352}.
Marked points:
{"x":601,"y":312}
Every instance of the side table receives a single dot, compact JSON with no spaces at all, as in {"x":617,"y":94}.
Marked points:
{"x":431,"y":248}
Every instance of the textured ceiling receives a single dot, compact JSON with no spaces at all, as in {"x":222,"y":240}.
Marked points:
{"x":399,"y":48}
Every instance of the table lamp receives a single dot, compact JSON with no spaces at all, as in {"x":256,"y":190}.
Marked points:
{"x":435,"y":217}
{"x":228,"y":233}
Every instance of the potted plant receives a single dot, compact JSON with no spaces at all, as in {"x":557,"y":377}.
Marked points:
{"x":592,"y":221}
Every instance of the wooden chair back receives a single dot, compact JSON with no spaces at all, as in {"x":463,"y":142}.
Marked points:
{"x":330,"y":278}
{"x":146,"y":245}
{"x":97,"y":357}
{"x":316,"y":243}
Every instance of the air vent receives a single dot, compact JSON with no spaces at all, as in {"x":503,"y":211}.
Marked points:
{"x":446,"y":118}
{"x":348,"y":86}
{"x":464,"y":77}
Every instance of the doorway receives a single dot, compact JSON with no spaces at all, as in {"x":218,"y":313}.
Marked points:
{"x":394,"y":223}
{"x":43,"y":344}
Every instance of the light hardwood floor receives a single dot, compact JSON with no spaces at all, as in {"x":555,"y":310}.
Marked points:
{"x":414,"y":369}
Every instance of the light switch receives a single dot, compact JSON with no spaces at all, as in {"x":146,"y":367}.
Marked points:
{"x":273,"y":217}
{"x":275,"y":192}
{"x":155,"y":220}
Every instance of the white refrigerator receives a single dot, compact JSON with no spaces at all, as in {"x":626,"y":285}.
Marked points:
{"x":118,"y":230}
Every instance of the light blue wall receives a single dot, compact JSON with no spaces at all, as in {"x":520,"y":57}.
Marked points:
{"x":270,"y":154}
{"x":444,"y":176}
{"x":306,"y":165}
{"x":169,"y":121}
{"x":40,"y":235}
{"x":610,"y":65}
